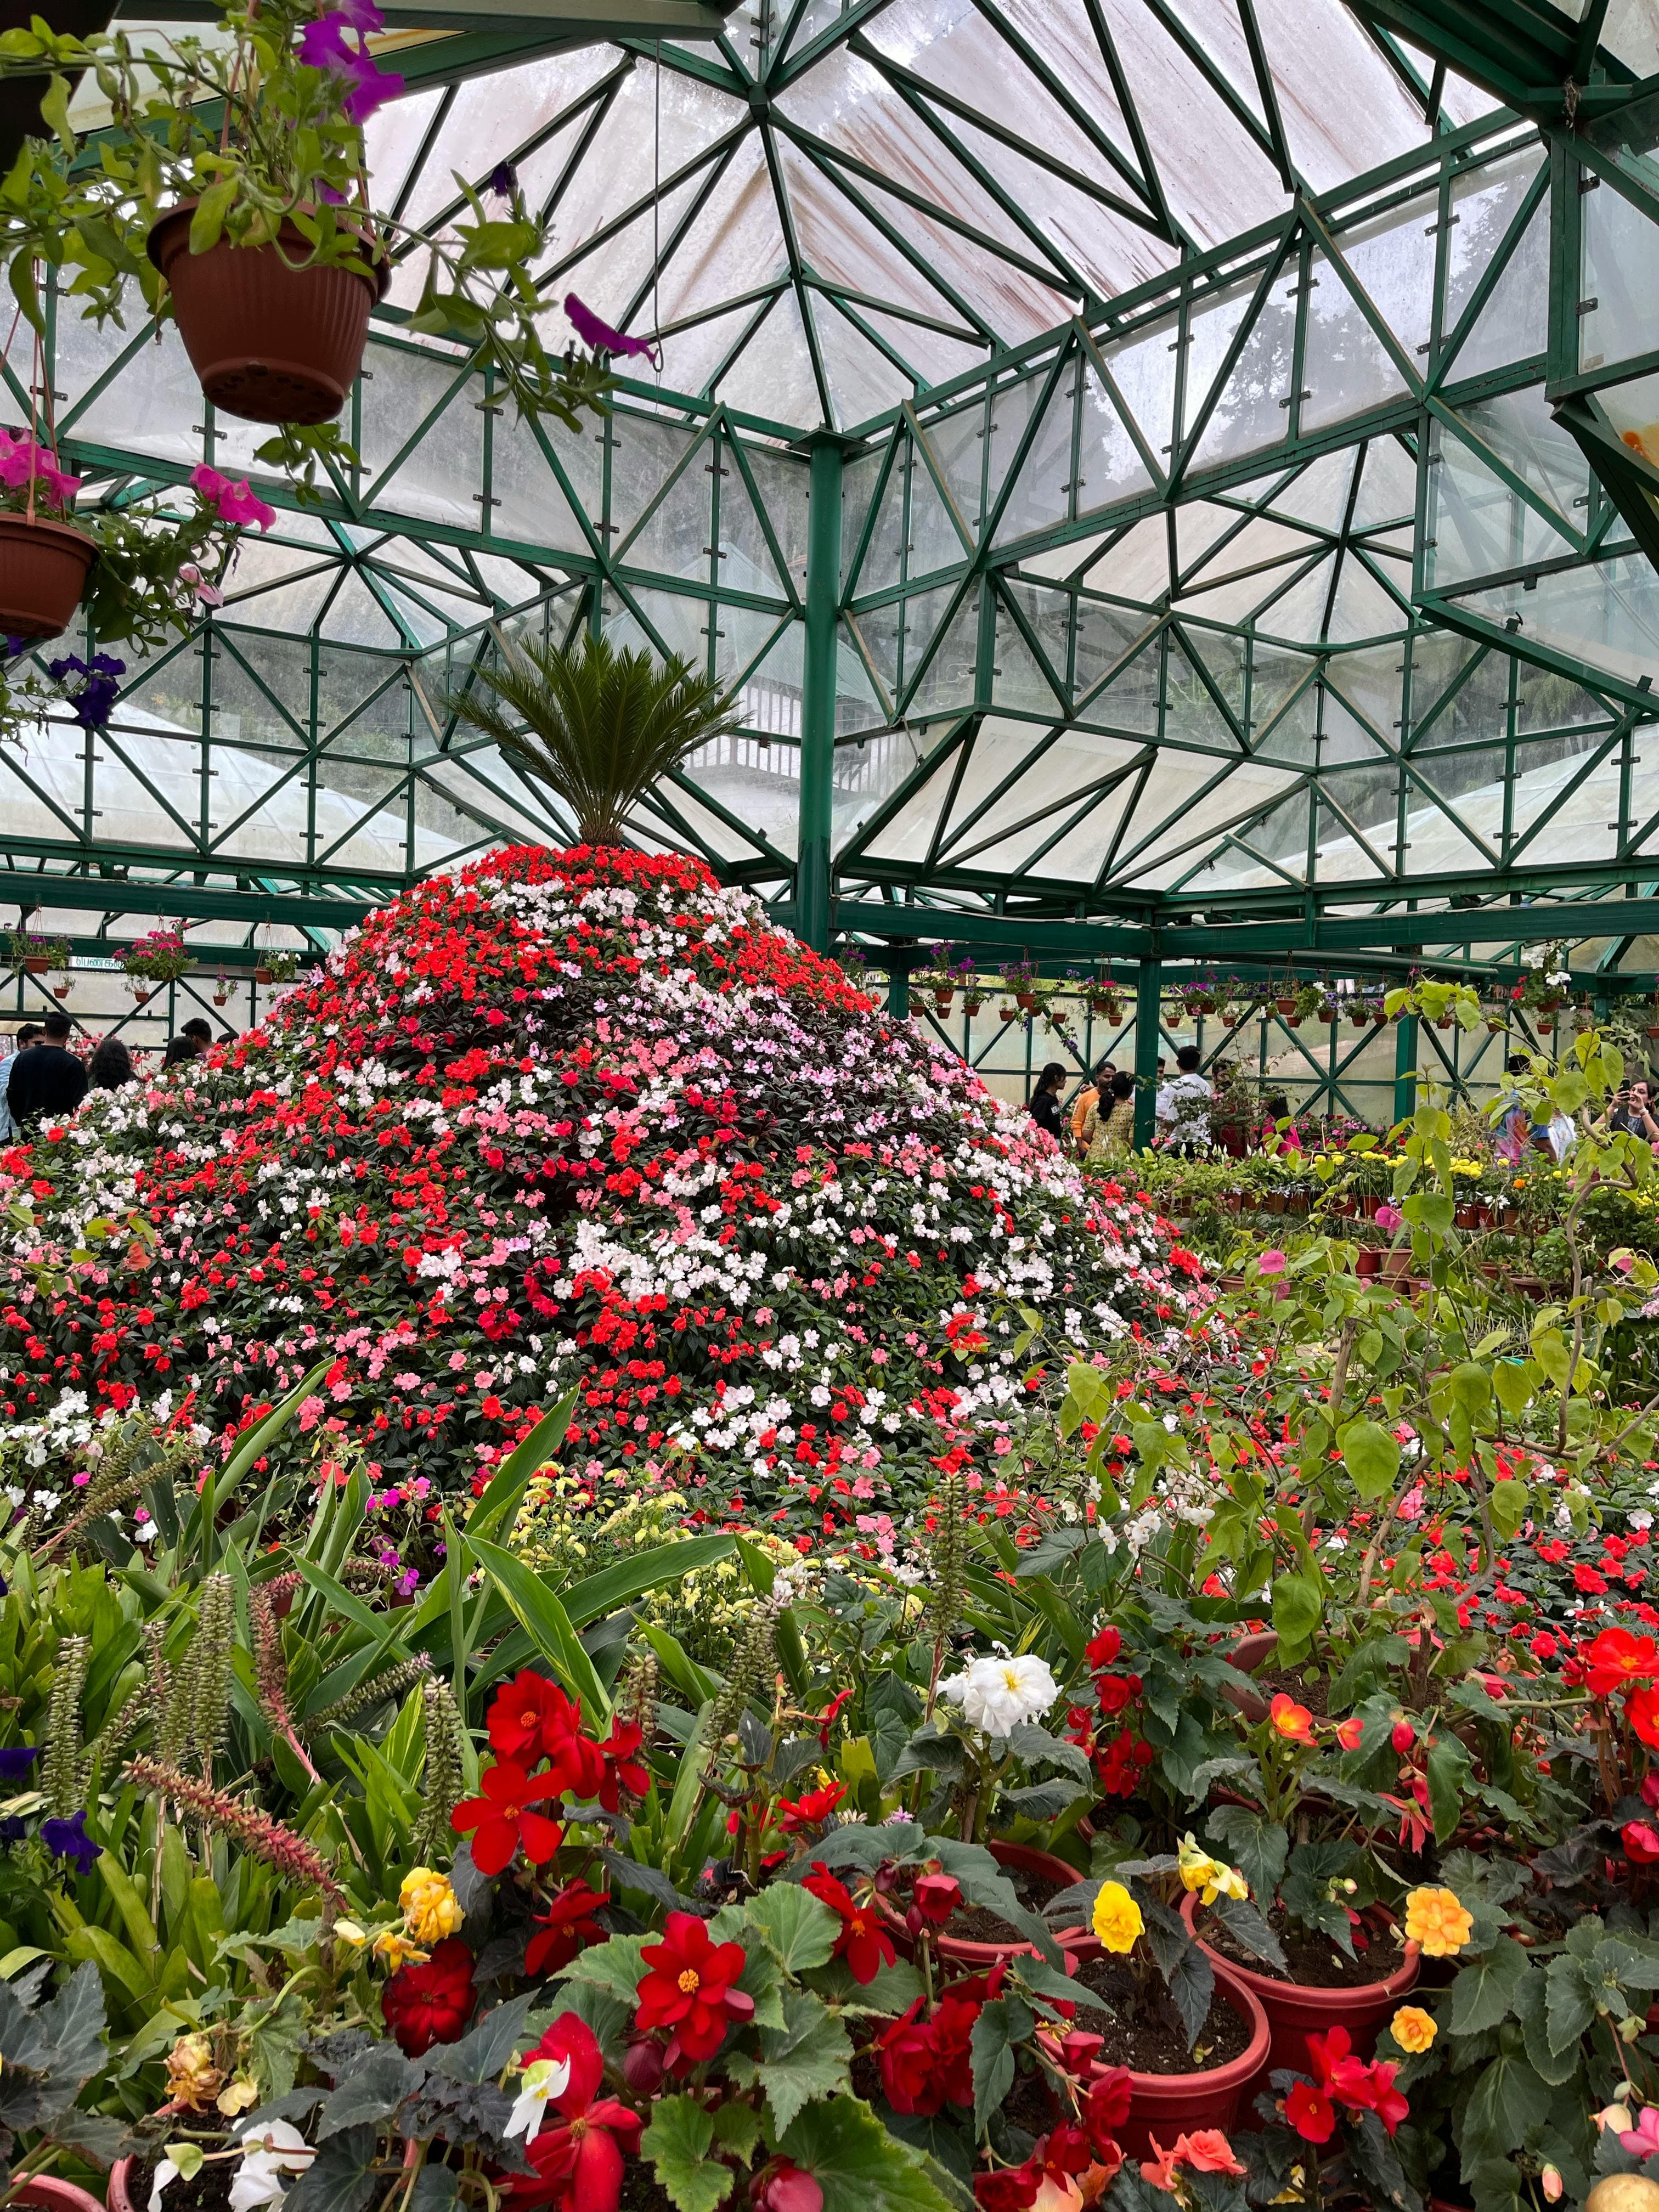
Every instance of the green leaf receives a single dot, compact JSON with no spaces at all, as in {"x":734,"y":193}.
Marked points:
{"x":638,"y":1576}
{"x":549,"y":1628}
{"x":811,"y":2056}
{"x":1514,"y":1386}
{"x":614,"y":1965}
{"x":502,"y":1494}
{"x":1483,"y":1991}
{"x":1505,"y":2102}
{"x":993,"y":2046}
{"x":1448,"y":1778}
{"x":54,"y":110}
{"x":207,"y":224}
{"x":1372,"y":1457}
{"x":1508,"y":1505}
{"x":858,"y":2166}
{"x":1527,"y":2003}
{"x":1298,"y":1607}
{"x":799,"y":1927}
{"x":677,"y":2142}
{"x":1570,"y":2002}
{"x":341,"y":2177}
{"x":1258,"y":1846}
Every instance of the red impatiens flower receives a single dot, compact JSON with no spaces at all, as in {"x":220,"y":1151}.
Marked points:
{"x":863,"y":1942}
{"x":811,"y":1811}
{"x":502,"y":1819}
{"x":690,"y":1988}
{"x":579,"y":2162}
{"x":430,"y":2003}
{"x":567,"y":1927}
{"x":1618,"y":1660}
{"x":1310,"y":2112}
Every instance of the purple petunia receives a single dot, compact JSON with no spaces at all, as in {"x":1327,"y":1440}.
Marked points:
{"x":323,"y":46}
{"x":601,"y":336}
{"x":17,"y":1760}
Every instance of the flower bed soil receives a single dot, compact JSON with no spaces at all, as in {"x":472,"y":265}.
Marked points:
{"x":1151,"y":2037}
{"x":207,"y":2190}
{"x":978,"y":1924}
{"x":1315,"y":1961}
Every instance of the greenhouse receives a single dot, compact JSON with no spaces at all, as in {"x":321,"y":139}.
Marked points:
{"x":830,"y":1106}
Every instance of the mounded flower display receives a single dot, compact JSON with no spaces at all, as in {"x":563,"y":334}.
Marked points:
{"x":572,"y":1118}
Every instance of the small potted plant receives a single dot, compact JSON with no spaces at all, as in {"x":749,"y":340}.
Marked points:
{"x":229,"y":192}
{"x":34,"y":954}
{"x":276,"y":968}
{"x":1020,"y":978}
{"x":1105,"y":999}
{"x":158,"y":957}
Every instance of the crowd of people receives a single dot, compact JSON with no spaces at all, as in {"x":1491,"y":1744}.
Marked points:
{"x":1101,"y":1123}
{"x":41,"y":1079}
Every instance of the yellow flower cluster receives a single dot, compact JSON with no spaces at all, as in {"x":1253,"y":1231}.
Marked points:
{"x":431,"y":1908}
{"x":1437,"y":1920}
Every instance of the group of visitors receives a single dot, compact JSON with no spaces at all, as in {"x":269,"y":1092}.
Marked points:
{"x":1102,"y":1123}
{"x":41,"y":1080}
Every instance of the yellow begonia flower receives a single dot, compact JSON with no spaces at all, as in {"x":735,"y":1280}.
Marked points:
{"x":1210,"y":1877}
{"x":1117,"y":1920}
{"x":397,"y":1950}
{"x":1412,"y":2029}
{"x":1436,"y":1919}
{"x":431,"y":1908}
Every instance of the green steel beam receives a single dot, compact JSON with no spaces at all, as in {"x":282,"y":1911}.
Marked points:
{"x":1149,"y":1016}
{"x":819,"y":692}
{"x":132,"y":895}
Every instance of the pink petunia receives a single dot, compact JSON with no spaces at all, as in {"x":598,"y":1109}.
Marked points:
{"x":231,"y":502}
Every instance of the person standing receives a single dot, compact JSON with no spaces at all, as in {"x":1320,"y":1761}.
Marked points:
{"x":1182,"y":1106}
{"x":1045,"y":1099}
{"x":200,"y":1032}
{"x":1112,"y":1134}
{"x":1096,"y":1096}
{"x":48,"y":1080}
{"x":27,"y":1033}
{"x":110,"y":1066}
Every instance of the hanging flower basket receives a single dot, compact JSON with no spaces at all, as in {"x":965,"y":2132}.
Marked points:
{"x":268,"y":342}
{"x":943,"y":999}
{"x":42,"y":572}
{"x":973,"y":1002}
{"x":221,"y":998}
{"x":265,"y":975}
{"x":1025,"y":1001}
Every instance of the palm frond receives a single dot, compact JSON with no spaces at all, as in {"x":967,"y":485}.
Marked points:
{"x":598,"y":726}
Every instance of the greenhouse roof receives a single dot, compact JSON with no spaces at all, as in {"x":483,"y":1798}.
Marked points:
{"x":1238,"y":420}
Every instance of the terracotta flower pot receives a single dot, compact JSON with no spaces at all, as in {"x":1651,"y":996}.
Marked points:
{"x":46,"y":2193}
{"x":268,"y":342}
{"x":1369,"y":1261}
{"x":1018,"y":1858}
{"x":60,"y":990}
{"x":1025,"y":1001}
{"x":34,"y":965}
{"x":1295,"y":2011}
{"x":265,"y":975}
{"x":1285,"y":1005}
{"x":1165,"y":2105}
{"x":1250,"y":1655}
{"x":942,"y":1000}
{"x":42,"y":572}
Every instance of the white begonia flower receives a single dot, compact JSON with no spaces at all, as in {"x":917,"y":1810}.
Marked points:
{"x":544,"y":2080}
{"x":270,"y":2150}
{"x":996,"y":1695}
{"x":165,"y":2172}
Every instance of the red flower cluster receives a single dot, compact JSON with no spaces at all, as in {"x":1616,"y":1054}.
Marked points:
{"x":1121,"y":1756}
{"x":1340,"y":2079}
{"x":1619,"y":1660}
{"x":1062,"y":2154}
{"x":863,"y":1941}
{"x":532,"y":1719}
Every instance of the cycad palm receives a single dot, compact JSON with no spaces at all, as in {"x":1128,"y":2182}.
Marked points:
{"x":600,"y":727}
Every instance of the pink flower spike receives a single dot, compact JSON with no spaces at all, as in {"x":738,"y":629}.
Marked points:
{"x":1272,"y":1263}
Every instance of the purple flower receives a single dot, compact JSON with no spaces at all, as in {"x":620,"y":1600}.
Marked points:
{"x":323,"y":46}
{"x":68,"y":1839}
{"x":95,"y":701}
{"x":13,"y":1829}
{"x":504,"y":179}
{"x":600,"y":336}
{"x":16,"y":1760}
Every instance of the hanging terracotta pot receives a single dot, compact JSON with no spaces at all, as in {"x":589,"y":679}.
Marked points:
{"x":42,"y":572}
{"x":221,"y":998}
{"x":265,"y":975}
{"x":1285,"y":1005}
{"x":1025,"y":1001}
{"x":942,"y":1000}
{"x":60,"y":990}
{"x":37,"y":964}
{"x":268,"y":342}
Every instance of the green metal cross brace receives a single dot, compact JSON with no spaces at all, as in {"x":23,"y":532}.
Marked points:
{"x":1149,"y":1015}
{"x":818,"y":687}
{"x":1405,"y":1068}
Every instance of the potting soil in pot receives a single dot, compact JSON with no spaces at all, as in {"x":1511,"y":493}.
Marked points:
{"x":978,"y":1924}
{"x":1314,"y":1960}
{"x":1151,"y":2038}
{"x":208,"y":2190}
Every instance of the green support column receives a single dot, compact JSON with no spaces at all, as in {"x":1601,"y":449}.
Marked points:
{"x":817,"y":710}
{"x":898,"y":987}
{"x":1149,"y":1008}
{"x":1405,"y":1068}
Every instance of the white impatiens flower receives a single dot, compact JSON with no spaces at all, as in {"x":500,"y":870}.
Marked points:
{"x":544,"y":2079}
{"x":996,"y":1695}
{"x":270,"y":2150}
